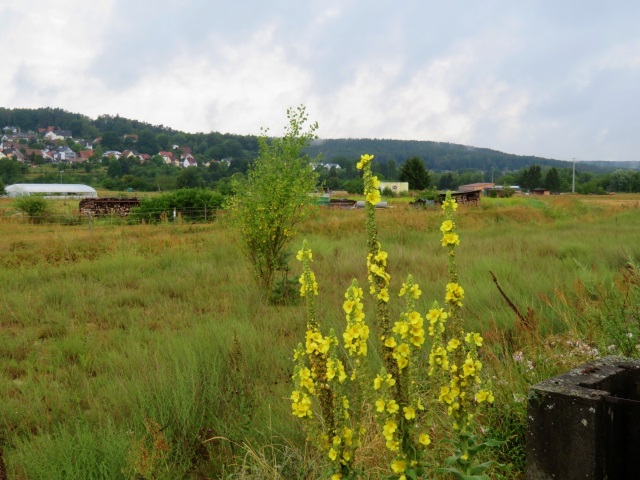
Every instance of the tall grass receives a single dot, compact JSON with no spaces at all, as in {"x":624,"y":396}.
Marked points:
{"x":101,"y":335}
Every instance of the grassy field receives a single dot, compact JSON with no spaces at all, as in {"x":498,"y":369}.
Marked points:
{"x":145,"y":349}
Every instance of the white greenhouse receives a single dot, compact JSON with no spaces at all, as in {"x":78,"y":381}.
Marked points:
{"x":51,"y":190}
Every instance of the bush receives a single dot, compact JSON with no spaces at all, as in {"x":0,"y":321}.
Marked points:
{"x":189,"y":202}
{"x":354,"y":186}
{"x":34,"y":206}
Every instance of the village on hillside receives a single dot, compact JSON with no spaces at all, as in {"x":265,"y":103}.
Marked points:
{"x":59,"y":147}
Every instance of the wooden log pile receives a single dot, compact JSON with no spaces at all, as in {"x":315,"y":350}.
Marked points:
{"x":100,"y":207}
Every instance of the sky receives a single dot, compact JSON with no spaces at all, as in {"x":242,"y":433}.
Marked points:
{"x":557,"y":79}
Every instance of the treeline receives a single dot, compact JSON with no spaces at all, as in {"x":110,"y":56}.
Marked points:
{"x":443,"y":157}
{"x":222,"y":156}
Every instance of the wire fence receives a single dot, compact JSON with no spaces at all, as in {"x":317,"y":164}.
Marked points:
{"x":76,"y":217}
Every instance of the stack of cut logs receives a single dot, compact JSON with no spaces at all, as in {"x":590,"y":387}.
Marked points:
{"x":97,"y":207}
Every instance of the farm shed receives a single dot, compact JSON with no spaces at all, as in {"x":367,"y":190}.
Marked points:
{"x":51,"y":190}
{"x":472,"y":187}
{"x":463,"y":198}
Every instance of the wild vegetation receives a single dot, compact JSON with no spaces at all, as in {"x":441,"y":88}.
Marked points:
{"x":146,"y":351}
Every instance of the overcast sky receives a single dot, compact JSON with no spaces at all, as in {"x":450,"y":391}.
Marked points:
{"x":557,"y":79}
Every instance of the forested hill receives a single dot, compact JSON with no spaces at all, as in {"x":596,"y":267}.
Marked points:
{"x":438,"y":156}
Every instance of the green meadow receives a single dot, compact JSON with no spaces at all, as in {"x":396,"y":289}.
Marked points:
{"x":145,"y":351}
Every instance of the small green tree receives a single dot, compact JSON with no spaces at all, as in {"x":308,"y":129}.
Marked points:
{"x":414,"y":172}
{"x":268,"y":206}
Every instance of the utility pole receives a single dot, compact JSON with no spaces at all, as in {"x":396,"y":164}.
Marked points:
{"x":573,"y":183}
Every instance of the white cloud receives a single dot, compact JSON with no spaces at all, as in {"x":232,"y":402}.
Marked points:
{"x":520,"y":78}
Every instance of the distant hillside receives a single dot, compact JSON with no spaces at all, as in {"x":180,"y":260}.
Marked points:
{"x":439,"y":156}
{"x":442,"y":157}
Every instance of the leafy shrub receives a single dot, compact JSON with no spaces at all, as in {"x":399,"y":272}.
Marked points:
{"x":34,"y":206}
{"x":190,"y":203}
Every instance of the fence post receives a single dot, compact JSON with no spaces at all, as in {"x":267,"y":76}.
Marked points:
{"x":205,"y":212}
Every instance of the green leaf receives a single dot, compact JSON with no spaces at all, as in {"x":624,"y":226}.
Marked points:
{"x":482,"y":467}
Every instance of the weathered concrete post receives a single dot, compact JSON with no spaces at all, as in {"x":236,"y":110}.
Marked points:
{"x":585,"y":424}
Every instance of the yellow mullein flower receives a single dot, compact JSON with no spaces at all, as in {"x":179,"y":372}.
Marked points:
{"x":403,"y":350}
{"x":380,"y":405}
{"x":364,"y":161}
{"x":415,"y":291}
{"x":409,"y":412}
{"x":450,"y":239}
{"x":392,"y":407}
{"x":348,"y":306}
{"x":398,"y":466}
{"x":390,"y":342}
{"x":333,"y":454}
{"x":393,"y":445}
{"x":424,"y":439}
{"x":375,"y":183}
{"x":384,"y":295}
{"x":373,"y":197}
{"x":474,"y":338}
{"x":453,"y":344}
{"x":381,"y":257}
{"x":388,"y":429}
{"x":390,"y":380}
{"x":403,"y":290}
{"x":446,"y":226}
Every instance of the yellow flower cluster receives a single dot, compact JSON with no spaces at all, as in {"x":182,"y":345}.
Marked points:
{"x":413,"y":289}
{"x":454,"y":295}
{"x":383,"y":380}
{"x":364,"y":161}
{"x":308,"y":278}
{"x":356,"y":334}
{"x":437,"y":318}
{"x":335,"y":367}
{"x":464,"y":384}
{"x":438,"y":358}
{"x":316,"y":343}
{"x":450,"y":204}
{"x":304,"y":253}
{"x":411,"y":327}
{"x":301,"y":404}
{"x":371,"y":182}
{"x":308,"y":284}
{"x":450,"y":240}
{"x":447,"y":226}
{"x":378,"y":276}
